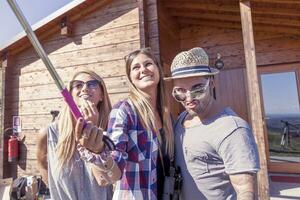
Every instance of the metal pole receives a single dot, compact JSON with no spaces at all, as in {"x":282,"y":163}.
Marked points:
{"x":36,"y":44}
{"x":39,"y":49}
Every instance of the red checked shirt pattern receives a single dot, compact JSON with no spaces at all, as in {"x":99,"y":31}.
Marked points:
{"x":136,"y":153}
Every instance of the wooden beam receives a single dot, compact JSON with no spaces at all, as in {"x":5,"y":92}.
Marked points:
{"x":202,"y":15}
{"x":143,"y":23}
{"x":277,"y":21}
{"x":254,"y":102}
{"x":283,"y":2}
{"x":259,"y":27}
{"x":202,"y":6}
{"x":275,"y":29}
{"x":259,"y":19}
{"x":205,"y":22}
{"x":4,"y":63}
{"x":65,"y":27}
{"x":167,"y":22}
{"x":258,"y":8}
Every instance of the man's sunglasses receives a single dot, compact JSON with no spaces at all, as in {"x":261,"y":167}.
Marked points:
{"x":78,"y":85}
{"x":197,"y":91}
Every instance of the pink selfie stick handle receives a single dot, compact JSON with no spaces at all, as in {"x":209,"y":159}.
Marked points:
{"x":76,"y":113}
{"x":70,"y":101}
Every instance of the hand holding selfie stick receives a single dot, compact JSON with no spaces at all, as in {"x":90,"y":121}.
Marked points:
{"x":59,"y":83}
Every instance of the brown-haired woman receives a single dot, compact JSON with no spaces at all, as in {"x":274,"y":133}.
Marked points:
{"x":141,"y":129}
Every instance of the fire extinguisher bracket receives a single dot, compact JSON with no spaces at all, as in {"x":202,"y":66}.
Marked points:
{"x":21,"y":137}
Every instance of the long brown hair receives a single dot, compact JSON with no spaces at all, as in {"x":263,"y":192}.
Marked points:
{"x":142,"y":102}
{"x":66,"y":141}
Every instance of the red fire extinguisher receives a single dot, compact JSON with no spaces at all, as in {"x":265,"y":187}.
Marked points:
{"x":13,"y":148}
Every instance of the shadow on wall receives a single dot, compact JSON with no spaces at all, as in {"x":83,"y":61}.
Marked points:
{"x":22,"y":154}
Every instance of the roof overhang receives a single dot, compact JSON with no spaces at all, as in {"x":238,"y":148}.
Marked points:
{"x":51,"y":24}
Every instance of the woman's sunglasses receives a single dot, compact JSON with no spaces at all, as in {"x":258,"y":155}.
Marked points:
{"x":78,"y":85}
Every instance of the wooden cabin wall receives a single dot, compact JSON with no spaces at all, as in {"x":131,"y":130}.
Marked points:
{"x":169,"y":38}
{"x":152,"y":26}
{"x":99,"y":42}
{"x":271,"y":48}
{"x":169,"y":43}
{"x":230,"y":83}
{"x":3,"y":137}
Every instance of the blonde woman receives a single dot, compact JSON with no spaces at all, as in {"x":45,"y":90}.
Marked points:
{"x":141,"y":127}
{"x":61,"y":144}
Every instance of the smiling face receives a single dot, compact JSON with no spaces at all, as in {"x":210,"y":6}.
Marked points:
{"x":85,"y":87}
{"x":194,"y":93}
{"x":144,"y":73}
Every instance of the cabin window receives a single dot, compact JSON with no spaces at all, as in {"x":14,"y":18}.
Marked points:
{"x":280,"y":95}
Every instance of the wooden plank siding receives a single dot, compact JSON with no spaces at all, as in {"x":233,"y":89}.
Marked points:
{"x":271,"y":48}
{"x":268,"y":16}
{"x":3,"y":138}
{"x":169,"y":46}
{"x":143,"y":23}
{"x":230,"y":82}
{"x":160,"y":43}
{"x":153,"y":30}
{"x":99,"y":42}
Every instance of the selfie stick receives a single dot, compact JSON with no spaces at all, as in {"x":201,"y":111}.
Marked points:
{"x":59,"y":83}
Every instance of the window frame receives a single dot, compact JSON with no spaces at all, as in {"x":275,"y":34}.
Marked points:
{"x":285,"y":167}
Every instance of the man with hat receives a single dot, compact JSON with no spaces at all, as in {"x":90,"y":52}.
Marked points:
{"x":215,"y":148}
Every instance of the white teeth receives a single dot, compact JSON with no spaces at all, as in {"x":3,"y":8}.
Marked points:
{"x":147,"y":77}
{"x":85,"y":96}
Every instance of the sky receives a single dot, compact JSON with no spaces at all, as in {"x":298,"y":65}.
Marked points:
{"x":34,"y":11}
{"x":280,"y":94}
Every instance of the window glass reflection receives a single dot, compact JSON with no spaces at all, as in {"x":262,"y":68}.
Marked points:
{"x":282,"y":115}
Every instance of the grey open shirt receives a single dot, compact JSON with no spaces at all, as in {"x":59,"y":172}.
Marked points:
{"x":75,"y":180}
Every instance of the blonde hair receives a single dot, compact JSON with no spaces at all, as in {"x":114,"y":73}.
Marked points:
{"x":66,"y":141}
{"x":141,"y":102}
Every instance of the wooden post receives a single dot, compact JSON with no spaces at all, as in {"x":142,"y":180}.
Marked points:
{"x":254,"y":98}
{"x":2,"y":101}
{"x":143,"y":23}
{"x":65,"y":27}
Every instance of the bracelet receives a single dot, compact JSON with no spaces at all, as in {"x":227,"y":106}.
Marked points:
{"x":97,"y":159}
{"x":109,"y":171}
{"x":85,"y":154}
{"x":106,"y":170}
{"x":89,"y":156}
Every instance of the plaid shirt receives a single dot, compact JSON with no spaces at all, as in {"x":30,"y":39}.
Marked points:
{"x":136,"y":153}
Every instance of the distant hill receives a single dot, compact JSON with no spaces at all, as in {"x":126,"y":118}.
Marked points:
{"x":273,"y":121}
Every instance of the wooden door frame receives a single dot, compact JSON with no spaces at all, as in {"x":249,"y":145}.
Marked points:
{"x":269,"y":69}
